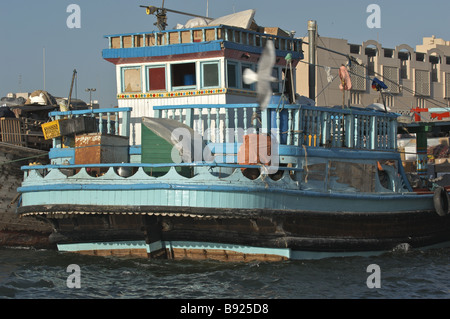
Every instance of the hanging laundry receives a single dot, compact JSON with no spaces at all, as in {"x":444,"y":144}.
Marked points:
{"x":330,"y":78}
{"x":346,"y":82}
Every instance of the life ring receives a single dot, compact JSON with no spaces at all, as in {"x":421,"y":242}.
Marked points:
{"x":441,"y":201}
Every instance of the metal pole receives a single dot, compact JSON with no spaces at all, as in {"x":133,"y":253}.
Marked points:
{"x":43,"y":54}
{"x":90,"y":95}
{"x":312,"y":31}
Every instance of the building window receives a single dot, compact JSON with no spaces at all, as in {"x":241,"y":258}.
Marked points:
{"x":404,"y":57}
{"x":355,"y":98}
{"x":447,"y":85}
{"x":232,"y":75}
{"x":371,"y":65}
{"x":434,"y":60}
{"x":388,"y":53}
{"x":391,"y":78}
{"x":355,"y":49}
{"x":358,"y":77}
{"x":131,"y":80}
{"x":156,"y":78}
{"x":210,"y":74}
{"x":420,"y":102}
{"x":183,"y":76}
{"x":389,"y":100}
{"x":371,"y":54}
{"x":434,"y":73}
{"x":420,"y":57}
{"x":422,"y":82}
{"x":404,"y":70}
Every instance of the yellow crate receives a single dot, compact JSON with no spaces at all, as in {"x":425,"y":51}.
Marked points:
{"x":51,"y":129}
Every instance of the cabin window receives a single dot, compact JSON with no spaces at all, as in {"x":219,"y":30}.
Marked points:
{"x":210,"y":74}
{"x":232,"y":75}
{"x":131,"y":80}
{"x":156,"y":78}
{"x":183,"y":76}
{"x":276,"y":85}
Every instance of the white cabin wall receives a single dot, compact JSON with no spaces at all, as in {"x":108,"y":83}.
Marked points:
{"x":143,"y":107}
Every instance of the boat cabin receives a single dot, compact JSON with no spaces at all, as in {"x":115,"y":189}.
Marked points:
{"x":196,"y":65}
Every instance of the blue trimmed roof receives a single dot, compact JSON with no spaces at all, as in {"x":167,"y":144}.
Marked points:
{"x":187,"y":48}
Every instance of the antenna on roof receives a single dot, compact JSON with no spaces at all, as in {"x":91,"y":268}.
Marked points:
{"x":161,"y":15}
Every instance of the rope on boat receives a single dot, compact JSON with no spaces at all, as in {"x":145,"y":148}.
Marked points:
{"x":23,"y":159}
{"x":306,"y":164}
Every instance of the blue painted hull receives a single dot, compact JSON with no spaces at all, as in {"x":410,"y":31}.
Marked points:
{"x":322,"y":201}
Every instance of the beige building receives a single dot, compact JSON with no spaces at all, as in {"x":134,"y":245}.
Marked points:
{"x":416,"y":78}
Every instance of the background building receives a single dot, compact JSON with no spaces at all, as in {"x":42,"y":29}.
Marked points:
{"x":416,"y":78}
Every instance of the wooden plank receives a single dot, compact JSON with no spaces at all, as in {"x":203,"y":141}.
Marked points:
{"x":11,"y":131}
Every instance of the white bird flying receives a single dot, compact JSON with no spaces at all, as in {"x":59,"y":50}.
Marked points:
{"x":263,"y":77}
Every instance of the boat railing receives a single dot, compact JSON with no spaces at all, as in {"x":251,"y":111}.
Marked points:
{"x":67,"y":173}
{"x":294,"y":125}
{"x":114,"y":121}
{"x":152,"y":165}
{"x":202,"y":34}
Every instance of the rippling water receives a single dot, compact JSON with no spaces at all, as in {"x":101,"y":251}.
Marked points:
{"x":43,"y":274}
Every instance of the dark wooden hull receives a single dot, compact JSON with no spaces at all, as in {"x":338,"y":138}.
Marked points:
{"x":15,"y":231}
{"x":332,"y":232}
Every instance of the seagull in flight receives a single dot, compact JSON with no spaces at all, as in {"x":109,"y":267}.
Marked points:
{"x":263,"y":77}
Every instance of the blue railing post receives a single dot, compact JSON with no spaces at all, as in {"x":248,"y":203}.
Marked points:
{"x":126,"y":116}
{"x":373,"y":133}
{"x":312,"y":126}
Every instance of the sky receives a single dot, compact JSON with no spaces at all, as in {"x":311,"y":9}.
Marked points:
{"x":30,"y":27}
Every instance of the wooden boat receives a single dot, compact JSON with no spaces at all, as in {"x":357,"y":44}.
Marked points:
{"x":236,"y":183}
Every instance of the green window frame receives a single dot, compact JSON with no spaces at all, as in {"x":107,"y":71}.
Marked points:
{"x":210,"y":74}
{"x":131,"y":78}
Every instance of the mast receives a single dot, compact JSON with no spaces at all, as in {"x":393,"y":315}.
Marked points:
{"x":312,"y":31}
